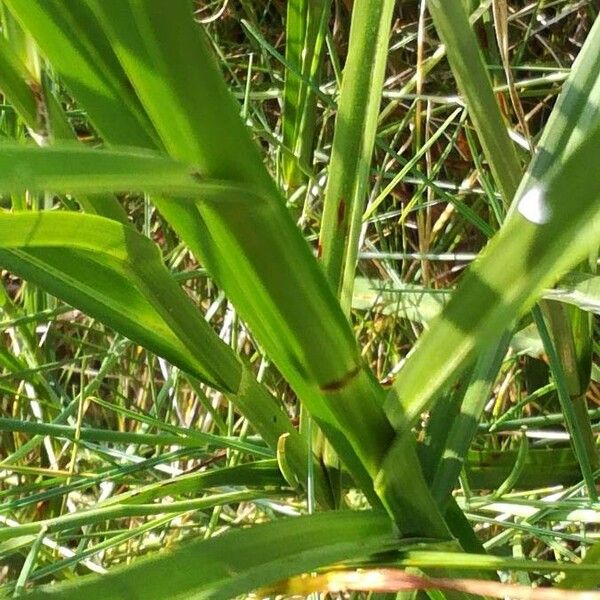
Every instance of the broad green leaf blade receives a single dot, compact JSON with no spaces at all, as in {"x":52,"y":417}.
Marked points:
{"x":71,"y":39}
{"x":13,"y":83}
{"x":295,"y":35}
{"x":240,"y":561}
{"x":74,"y":168}
{"x":117,"y":275}
{"x":549,"y":237}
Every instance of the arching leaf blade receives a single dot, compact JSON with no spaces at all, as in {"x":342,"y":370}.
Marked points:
{"x":240,"y":561}
{"x":103,"y":267}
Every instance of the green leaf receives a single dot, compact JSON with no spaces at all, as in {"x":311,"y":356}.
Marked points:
{"x":240,"y":561}
{"x":578,"y":289}
{"x":353,"y":141}
{"x":18,"y":85}
{"x":306,"y":26}
{"x":576,"y":111}
{"x":490,"y":295}
{"x":96,"y":515}
{"x":462,"y":49}
{"x":116,"y":275}
{"x":70,"y":37}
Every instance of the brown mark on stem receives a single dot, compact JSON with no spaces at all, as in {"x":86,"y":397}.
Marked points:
{"x":40,"y":106}
{"x":341,"y":212}
{"x":335,"y":386}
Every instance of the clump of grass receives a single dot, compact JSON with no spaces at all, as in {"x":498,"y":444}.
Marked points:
{"x":241,"y":296}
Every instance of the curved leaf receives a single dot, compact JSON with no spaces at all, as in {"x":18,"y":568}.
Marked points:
{"x":240,"y":561}
{"x":116,"y":275}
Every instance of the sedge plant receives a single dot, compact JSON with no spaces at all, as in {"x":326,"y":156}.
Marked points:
{"x":163,"y":122}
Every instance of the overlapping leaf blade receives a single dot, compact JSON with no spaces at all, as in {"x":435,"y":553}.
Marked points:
{"x":240,"y":561}
{"x":64,"y":167}
{"x":491,"y":296}
{"x":116,"y":275}
{"x":306,"y":333}
{"x":214,"y":139}
{"x":87,"y":66}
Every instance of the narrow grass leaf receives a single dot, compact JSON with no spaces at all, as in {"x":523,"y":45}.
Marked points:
{"x":462,"y":49}
{"x":353,"y":142}
{"x":306,"y":26}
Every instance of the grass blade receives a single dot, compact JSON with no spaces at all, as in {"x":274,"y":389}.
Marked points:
{"x":106,"y":268}
{"x":69,"y":36}
{"x":576,"y":111}
{"x":240,"y":561}
{"x":306,"y":25}
{"x":490,"y":295}
{"x":462,"y":49}
{"x":191,"y":107}
{"x":353,"y":142}
{"x":116,"y":275}
{"x":573,"y":405}
{"x":464,"y":426}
